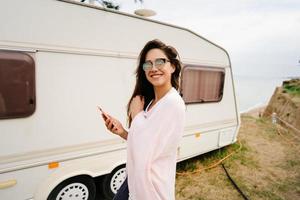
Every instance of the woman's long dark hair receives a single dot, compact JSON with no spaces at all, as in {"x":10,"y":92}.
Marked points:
{"x":143,"y":87}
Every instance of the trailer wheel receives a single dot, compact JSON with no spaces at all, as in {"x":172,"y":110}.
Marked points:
{"x":79,"y":187}
{"x":113,"y":181}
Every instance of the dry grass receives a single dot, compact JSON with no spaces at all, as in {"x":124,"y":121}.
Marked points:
{"x":267,"y":167}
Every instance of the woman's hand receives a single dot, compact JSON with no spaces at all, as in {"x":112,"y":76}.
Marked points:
{"x":136,"y":105}
{"x":114,"y":126}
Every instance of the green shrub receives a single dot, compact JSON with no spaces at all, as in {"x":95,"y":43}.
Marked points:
{"x":292,"y":87}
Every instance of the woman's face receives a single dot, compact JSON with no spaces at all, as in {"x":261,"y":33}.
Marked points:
{"x":158,"y":68}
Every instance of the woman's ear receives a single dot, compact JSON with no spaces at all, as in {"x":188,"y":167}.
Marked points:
{"x":173,"y":68}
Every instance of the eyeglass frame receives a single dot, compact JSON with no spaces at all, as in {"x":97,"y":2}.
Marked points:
{"x":157,"y":65}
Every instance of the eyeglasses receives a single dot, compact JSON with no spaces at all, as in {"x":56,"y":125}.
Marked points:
{"x":158,"y":63}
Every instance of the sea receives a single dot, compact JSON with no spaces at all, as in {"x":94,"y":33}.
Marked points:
{"x":254,"y":91}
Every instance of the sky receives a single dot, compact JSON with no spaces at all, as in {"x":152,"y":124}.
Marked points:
{"x":262,"y":37}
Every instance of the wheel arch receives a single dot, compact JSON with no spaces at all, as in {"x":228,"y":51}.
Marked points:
{"x":114,"y":166}
{"x":46,"y":187}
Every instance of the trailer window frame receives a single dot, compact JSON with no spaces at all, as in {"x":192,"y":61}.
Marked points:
{"x":183,"y":90}
{"x":17,"y":84}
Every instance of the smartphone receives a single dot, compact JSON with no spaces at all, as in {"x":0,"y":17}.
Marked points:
{"x":105,"y":116}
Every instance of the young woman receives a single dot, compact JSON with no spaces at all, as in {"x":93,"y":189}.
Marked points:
{"x":156,"y":114}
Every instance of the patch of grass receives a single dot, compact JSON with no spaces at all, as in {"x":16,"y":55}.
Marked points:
{"x":219,"y":154}
{"x":212,"y":157}
{"x":276,"y":190}
{"x":292,"y":89}
{"x":244,"y":157}
{"x":255,"y":192}
{"x":292,"y":163}
{"x":187,"y":165}
{"x":185,"y":183}
{"x":288,"y":185}
{"x":250,"y":162}
{"x":269,"y":131}
{"x":206,"y":159}
{"x":263,"y":126}
{"x":267,"y":194}
{"x":262,"y":120}
{"x":274,"y":180}
{"x":246,"y":116}
{"x":199,"y":198}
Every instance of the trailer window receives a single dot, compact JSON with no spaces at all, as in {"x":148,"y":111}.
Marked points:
{"x":17,"y":84}
{"x":202,"y":84}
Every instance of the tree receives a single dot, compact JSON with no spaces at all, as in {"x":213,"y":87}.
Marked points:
{"x":110,"y":4}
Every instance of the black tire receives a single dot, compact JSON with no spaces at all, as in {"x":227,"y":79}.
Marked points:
{"x":113,"y":181}
{"x":80,"y":187}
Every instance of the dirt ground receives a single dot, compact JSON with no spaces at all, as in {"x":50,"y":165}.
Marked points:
{"x":267,"y":166}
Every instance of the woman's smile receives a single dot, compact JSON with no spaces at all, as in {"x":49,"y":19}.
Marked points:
{"x":155,"y":75}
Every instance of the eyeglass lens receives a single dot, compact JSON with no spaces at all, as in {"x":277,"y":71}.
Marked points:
{"x":159,"y":62}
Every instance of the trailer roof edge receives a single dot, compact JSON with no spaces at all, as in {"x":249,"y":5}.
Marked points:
{"x":146,"y":19}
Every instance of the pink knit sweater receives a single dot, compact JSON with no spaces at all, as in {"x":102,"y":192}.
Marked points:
{"x":153,"y":139}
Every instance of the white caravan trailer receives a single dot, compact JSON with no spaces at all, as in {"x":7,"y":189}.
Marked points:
{"x":58,"y":61}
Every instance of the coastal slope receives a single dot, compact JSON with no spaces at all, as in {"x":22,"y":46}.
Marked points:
{"x":285,"y":102}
